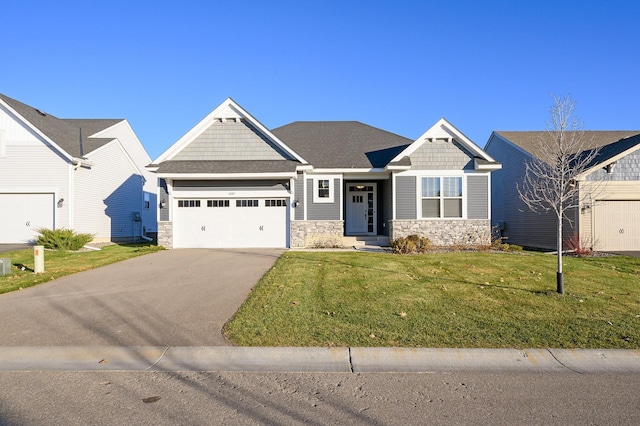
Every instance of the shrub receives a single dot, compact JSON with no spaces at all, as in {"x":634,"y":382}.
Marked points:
{"x":411,"y":244}
{"x":578,"y":248}
{"x":497,"y":243}
{"x":62,"y":239}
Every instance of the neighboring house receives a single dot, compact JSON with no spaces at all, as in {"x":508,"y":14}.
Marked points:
{"x":86,"y":175}
{"x":608,"y":217}
{"x":231,"y":182}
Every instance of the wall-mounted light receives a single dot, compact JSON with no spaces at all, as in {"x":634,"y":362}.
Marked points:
{"x":61,"y":202}
{"x":585,"y":207}
{"x":163,"y":203}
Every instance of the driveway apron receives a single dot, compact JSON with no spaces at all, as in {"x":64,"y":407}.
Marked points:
{"x":179,"y":297}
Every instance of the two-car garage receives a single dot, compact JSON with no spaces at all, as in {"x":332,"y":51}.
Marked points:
{"x":230,"y":214}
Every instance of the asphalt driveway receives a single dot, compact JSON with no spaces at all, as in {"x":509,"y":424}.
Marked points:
{"x":178,"y":297}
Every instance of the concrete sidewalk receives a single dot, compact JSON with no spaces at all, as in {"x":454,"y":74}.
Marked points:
{"x":356,"y":360}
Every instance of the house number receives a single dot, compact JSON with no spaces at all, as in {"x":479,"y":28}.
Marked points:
{"x":232,"y":193}
{"x":621,"y":231}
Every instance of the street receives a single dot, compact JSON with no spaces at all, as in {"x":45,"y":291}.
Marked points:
{"x":163,"y":398}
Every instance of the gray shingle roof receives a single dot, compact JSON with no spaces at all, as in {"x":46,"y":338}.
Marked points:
{"x":592,"y":139}
{"x":69,"y":134}
{"x":341,"y":144}
{"x":244,"y":166}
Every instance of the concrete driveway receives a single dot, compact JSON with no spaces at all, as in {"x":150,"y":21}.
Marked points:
{"x":178,"y":297}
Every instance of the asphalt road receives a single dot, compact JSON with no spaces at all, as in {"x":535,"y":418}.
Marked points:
{"x":155,"y":398}
{"x":178,"y":297}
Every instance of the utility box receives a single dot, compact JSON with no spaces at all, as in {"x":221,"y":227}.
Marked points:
{"x":38,"y":259}
{"x":5,"y":266}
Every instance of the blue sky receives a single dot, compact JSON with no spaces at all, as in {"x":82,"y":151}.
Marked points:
{"x":397,"y":65}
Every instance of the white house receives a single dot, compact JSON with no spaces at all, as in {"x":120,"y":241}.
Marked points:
{"x":82,"y":174}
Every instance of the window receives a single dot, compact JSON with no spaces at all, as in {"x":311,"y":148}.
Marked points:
{"x":217,"y":203}
{"x":146,"y":204}
{"x":246,"y":203}
{"x":275,"y":203}
{"x":442,"y":197}
{"x":188,"y":203}
{"x":323,"y":189}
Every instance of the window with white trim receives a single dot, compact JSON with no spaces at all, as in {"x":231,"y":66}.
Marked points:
{"x":323,"y":190}
{"x":442,"y":197}
{"x":146,"y":204}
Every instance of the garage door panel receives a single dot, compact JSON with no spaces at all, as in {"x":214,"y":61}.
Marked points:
{"x":21,"y":215}
{"x":231,"y":226}
{"x":617,"y":225}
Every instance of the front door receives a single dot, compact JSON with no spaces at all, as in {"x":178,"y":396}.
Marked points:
{"x":361,"y":211}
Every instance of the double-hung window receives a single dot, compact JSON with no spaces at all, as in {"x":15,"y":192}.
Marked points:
{"x":323,"y":189}
{"x":441,"y":197}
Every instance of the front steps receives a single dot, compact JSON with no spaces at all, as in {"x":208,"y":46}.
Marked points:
{"x":362,"y":241}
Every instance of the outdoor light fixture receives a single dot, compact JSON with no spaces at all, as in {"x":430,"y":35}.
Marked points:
{"x":61,"y":202}
{"x":163,"y":203}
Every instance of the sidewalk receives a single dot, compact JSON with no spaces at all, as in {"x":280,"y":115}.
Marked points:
{"x":355,"y":360}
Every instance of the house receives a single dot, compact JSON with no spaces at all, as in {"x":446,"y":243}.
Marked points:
{"x":231,"y":182}
{"x":81,"y":174}
{"x":608,"y":217}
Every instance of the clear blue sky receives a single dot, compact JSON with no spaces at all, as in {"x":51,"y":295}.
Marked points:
{"x":397,"y":65}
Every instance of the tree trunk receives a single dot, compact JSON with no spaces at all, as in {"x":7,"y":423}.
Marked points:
{"x":559,"y":276}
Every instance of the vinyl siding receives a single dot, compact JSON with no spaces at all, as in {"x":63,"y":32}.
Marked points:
{"x":406,"y":197}
{"x":478,"y":197}
{"x":231,"y":141}
{"x":323,"y":211}
{"x":164,"y":195}
{"x":116,"y":193}
{"x":299,"y":194}
{"x":29,"y":164}
{"x":442,"y":155}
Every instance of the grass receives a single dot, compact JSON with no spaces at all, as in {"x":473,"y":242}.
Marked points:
{"x":60,"y":263}
{"x":461,"y":299}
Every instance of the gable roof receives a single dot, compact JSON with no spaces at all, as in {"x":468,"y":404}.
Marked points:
{"x":72,"y":136}
{"x":443,"y":129}
{"x":342,"y":144}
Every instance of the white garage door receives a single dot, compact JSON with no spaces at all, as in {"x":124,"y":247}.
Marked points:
{"x":22,"y":214}
{"x":231,"y":223}
{"x":617,"y":225}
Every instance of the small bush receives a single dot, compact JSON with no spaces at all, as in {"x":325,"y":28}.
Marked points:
{"x":497,"y":243}
{"x":62,"y":239}
{"x":411,"y":244}
{"x":578,"y":248}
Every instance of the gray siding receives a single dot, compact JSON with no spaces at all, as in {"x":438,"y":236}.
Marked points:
{"x":387,"y":205}
{"x":442,"y":155}
{"x":164,"y":195}
{"x":406,"y":197}
{"x":323,"y":211}
{"x":627,"y":168}
{"x":231,"y":141}
{"x":478,"y":197}
{"x":299,"y":189}
{"x":521,"y":225}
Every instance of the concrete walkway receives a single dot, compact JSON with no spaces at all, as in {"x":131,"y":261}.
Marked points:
{"x":356,"y":360}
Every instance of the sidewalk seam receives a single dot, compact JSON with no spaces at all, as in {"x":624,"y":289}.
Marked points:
{"x":158,"y":360}
{"x":350,"y":360}
{"x":561,"y":363}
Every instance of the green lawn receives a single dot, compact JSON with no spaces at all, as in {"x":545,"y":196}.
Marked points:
{"x":60,"y":263}
{"x":460,"y":299}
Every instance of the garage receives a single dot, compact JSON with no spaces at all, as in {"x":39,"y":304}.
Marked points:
{"x":617,"y":225}
{"x":22,"y":214}
{"x":231,"y":222}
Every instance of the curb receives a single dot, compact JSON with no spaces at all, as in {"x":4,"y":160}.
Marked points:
{"x":334,"y":360}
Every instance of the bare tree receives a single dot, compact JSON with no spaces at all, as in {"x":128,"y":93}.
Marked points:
{"x":561,"y":155}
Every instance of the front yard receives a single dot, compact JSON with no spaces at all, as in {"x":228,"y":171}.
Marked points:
{"x":460,"y":299}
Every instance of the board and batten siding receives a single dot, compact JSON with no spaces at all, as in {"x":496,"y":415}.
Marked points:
{"x":231,"y":141}
{"x":299,"y":196}
{"x":478,"y":197}
{"x":406,"y":207}
{"x":323,"y":211}
{"x":116,"y":193}
{"x":442,"y":155}
{"x":29,"y":164}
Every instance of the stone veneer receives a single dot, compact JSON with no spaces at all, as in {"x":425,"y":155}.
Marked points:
{"x":316,"y":233}
{"x":444,"y":232}
{"x":165,"y":234}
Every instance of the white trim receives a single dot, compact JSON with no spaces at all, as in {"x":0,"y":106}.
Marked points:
{"x":184,"y":176}
{"x":341,"y":198}
{"x":440,"y":175}
{"x":204,"y":124}
{"x":3,"y":147}
{"x":304,"y":192}
{"x":394,"y":198}
{"x":350,"y":170}
{"x":330,"y":179}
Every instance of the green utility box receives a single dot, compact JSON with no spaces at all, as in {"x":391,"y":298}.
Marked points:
{"x":5,"y":266}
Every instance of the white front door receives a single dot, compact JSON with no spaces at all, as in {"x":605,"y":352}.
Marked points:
{"x":361,"y":209}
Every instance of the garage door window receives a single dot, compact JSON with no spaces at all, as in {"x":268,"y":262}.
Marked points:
{"x":246,"y":203}
{"x":217,"y":203}
{"x":275,"y":203}
{"x":188,"y":203}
